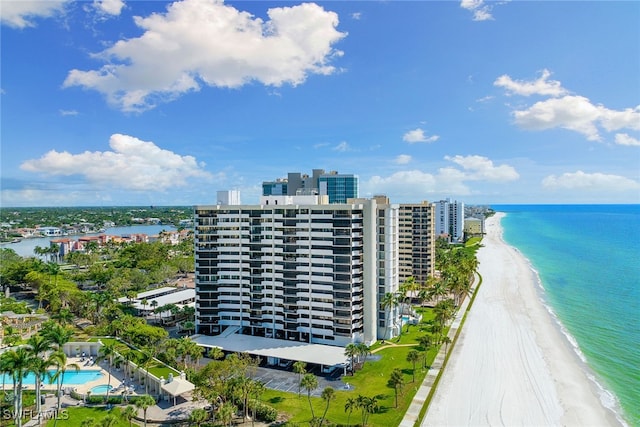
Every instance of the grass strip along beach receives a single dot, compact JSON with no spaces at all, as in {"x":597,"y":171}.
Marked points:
{"x":512,"y":365}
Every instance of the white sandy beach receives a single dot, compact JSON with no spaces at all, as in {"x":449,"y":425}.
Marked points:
{"x":512,"y":365}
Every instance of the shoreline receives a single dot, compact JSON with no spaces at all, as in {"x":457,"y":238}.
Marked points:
{"x":515,"y":363}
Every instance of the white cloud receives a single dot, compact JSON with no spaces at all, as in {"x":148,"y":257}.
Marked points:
{"x":541,"y":86}
{"x":356,"y":15}
{"x":132,"y":164}
{"x":418,"y":135}
{"x":448,"y":180}
{"x":482,"y":168}
{"x":625,"y":139}
{"x":591,"y":182}
{"x":403,"y":159}
{"x":342,"y":147}
{"x":481,"y":11}
{"x":576,"y":113}
{"x":21,"y":14}
{"x":205,"y":42}
{"x":109,"y":7}
{"x":68,"y":113}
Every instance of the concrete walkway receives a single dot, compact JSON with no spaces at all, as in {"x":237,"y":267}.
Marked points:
{"x":413,"y":413}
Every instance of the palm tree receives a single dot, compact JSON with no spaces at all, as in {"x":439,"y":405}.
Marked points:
{"x":154,"y":306}
{"x":309,"y":382}
{"x":328,"y":394}
{"x":396,"y":381}
{"x":413,"y":356}
{"x":39,"y":364}
{"x":363,"y":351}
{"x":107,"y":352}
{"x":18,"y":362}
{"x":59,"y":360}
{"x":367,"y":405}
{"x":425,"y":343}
{"x":349,"y":406}
{"x":226,"y":412}
{"x":57,"y":334}
{"x":351,"y":351}
{"x":389,"y":302}
{"x":143,"y":402}
{"x":197,"y":417}
{"x":64,"y":316}
{"x":129,"y":413}
{"x":144,"y":362}
{"x":446,"y":340}
{"x":300,"y":368}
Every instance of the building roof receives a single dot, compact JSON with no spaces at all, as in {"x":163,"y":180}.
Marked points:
{"x":171,"y":298}
{"x":149,"y":294}
{"x":319,"y":354}
{"x":177,"y":386}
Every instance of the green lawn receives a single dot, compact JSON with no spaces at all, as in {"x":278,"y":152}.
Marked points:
{"x":370,"y":381}
{"x":73,"y":417}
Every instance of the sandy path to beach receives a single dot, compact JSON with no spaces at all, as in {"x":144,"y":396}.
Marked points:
{"x":512,"y":365}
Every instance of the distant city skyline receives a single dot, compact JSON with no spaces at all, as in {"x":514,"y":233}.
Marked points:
{"x":116,"y":102}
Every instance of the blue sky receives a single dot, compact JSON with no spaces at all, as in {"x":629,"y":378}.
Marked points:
{"x":163,"y":103}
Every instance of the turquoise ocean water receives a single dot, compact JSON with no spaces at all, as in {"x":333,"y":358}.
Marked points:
{"x":588,"y":260}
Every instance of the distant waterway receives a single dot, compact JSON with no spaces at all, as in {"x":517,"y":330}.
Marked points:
{"x":25,"y":247}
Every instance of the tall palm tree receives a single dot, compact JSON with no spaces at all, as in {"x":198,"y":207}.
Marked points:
{"x":129,"y":413}
{"x":351,"y":351}
{"x":388,"y":303}
{"x":309,"y":382}
{"x":107,"y":352}
{"x":59,"y":360}
{"x":412,"y":357}
{"x":300,"y":368}
{"x":144,"y":362}
{"x":396,"y":381}
{"x":328,"y":394}
{"x":18,"y":361}
{"x":144,"y":402}
{"x":363,"y":351}
{"x":425,"y":343}
{"x":57,"y":334}
{"x":349,"y":406}
{"x":38,"y":347}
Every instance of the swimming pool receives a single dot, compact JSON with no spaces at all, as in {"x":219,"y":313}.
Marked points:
{"x":101,"y":389}
{"x":70,"y":377}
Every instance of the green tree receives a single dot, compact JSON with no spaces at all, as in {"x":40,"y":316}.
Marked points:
{"x":226,"y":412}
{"x":309,"y":382}
{"x":413,"y":357}
{"x":425,"y":343}
{"x":300,"y":368}
{"x":396,"y":381}
{"x":197,"y":417}
{"x":388,"y":303}
{"x":349,"y":406}
{"x":144,"y":402}
{"x":368,"y":405}
{"x":129,"y":413}
{"x":108,"y":352}
{"x":18,"y":363}
{"x":351,"y":351}
{"x":39,"y":363}
{"x":328,"y":394}
{"x":60,"y":363}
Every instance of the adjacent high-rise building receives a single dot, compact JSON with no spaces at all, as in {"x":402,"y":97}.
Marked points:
{"x":339,"y":187}
{"x":416,"y":241}
{"x":450,"y":219}
{"x":296,"y":268}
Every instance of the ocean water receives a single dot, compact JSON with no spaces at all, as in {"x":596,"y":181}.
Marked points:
{"x":588,"y":260}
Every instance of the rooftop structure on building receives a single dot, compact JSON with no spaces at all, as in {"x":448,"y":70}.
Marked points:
{"x":338,"y":187}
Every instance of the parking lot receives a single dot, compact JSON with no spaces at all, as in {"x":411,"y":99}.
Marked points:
{"x":285,"y":380}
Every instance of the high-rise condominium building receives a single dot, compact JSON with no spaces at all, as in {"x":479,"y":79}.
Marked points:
{"x":417,"y":241}
{"x":450,"y":219}
{"x":339,"y":187}
{"x":296,"y":269}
